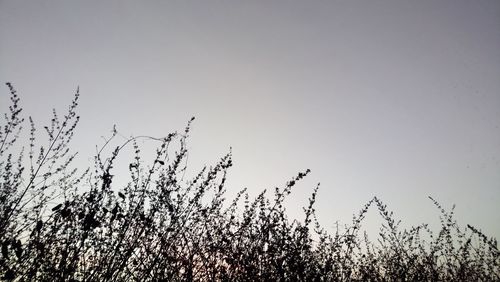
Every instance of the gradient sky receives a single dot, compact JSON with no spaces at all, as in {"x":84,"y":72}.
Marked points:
{"x":396,"y":99}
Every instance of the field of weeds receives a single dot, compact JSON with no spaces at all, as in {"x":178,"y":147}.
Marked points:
{"x":62,"y":224}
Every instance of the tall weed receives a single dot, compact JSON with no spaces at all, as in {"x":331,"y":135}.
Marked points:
{"x":59,"y":224}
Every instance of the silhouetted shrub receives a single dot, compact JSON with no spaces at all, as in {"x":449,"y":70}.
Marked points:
{"x":57,"y":224}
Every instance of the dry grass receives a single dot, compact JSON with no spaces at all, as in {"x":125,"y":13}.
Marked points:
{"x":160,"y":227}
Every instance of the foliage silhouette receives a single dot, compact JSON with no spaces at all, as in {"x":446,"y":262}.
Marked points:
{"x":61,"y":225}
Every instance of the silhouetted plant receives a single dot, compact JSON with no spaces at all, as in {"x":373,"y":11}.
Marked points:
{"x":56,"y":224}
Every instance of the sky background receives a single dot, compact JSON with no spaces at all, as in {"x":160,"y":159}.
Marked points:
{"x":395,"y":99}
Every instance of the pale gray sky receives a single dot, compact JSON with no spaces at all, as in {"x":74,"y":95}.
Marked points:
{"x":398,"y":99}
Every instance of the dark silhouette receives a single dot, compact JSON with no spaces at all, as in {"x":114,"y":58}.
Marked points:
{"x":58,"y":224}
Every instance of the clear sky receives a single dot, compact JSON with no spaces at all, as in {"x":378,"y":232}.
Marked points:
{"x":396,"y":99}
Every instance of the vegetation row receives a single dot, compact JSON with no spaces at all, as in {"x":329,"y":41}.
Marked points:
{"x":58,"y":223}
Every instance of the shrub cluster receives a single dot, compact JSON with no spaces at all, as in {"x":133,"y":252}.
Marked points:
{"x":59,"y":224}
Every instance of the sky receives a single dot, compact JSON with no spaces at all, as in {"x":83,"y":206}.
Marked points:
{"x":394,"y":99}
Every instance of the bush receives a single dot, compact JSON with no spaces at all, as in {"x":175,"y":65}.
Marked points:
{"x":61,"y":225}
